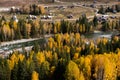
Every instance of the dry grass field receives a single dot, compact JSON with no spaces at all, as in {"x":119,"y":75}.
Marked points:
{"x":76,"y":12}
{"x":9,"y":3}
{"x":58,"y":13}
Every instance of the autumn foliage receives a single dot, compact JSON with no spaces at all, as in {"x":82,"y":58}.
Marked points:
{"x":66,"y":57}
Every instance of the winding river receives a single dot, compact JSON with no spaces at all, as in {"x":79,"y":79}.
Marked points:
{"x":100,"y":34}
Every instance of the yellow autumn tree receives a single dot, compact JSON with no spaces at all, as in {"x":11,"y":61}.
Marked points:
{"x":45,"y":28}
{"x":58,"y":23}
{"x":48,"y":55}
{"x":81,"y":28}
{"x":72,"y":71}
{"x":52,"y":69}
{"x":12,"y":61}
{"x":12,"y":35}
{"x":104,"y":40}
{"x":6,"y":31}
{"x":67,"y":38}
{"x":91,"y":47}
{"x":109,"y":70}
{"x":77,"y":38}
{"x":21,"y":57}
{"x":15,"y":25}
{"x":35,"y":76}
{"x":76,"y":55}
{"x":28,"y":27}
{"x":81,"y":76}
{"x":78,"y":49}
{"x":86,"y":64}
{"x":58,"y":38}
{"x":40,"y":57}
{"x":42,"y":9}
{"x":50,"y":42}
{"x":118,"y":63}
{"x":55,"y":30}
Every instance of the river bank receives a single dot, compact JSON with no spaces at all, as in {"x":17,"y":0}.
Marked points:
{"x":8,"y":47}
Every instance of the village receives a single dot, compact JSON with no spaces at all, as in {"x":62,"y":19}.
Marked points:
{"x":53,"y":12}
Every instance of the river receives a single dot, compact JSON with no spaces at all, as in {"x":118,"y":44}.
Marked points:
{"x":7,"y":48}
{"x":100,"y":34}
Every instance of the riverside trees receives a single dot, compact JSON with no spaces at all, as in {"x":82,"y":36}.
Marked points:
{"x":12,"y":30}
{"x":66,"y":56}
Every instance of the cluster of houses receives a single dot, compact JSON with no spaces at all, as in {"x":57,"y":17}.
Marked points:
{"x":46,"y":17}
{"x":103,"y":18}
{"x":31,"y":17}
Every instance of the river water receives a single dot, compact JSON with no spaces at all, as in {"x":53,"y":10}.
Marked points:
{"x":100,"y":34}
{"x":9,"y":48}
